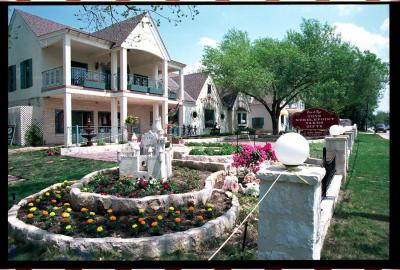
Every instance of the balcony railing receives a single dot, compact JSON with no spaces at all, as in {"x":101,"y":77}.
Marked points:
{"x":145,"y":85}
{"x":171,"y":95}
{"x":52,"y":77}
{"x":91,"y":79}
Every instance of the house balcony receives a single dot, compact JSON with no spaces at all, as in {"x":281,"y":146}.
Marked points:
{"x":143,"y":84}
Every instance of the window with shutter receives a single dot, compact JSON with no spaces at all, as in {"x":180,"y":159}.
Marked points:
{"x":11,"y":78}
{"x":26,"y":73}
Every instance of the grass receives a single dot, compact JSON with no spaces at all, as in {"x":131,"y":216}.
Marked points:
{"x":15,"y":146}
{"x":316,"y":150}
{"x":41,"y":171}
{"x":360,"y":228}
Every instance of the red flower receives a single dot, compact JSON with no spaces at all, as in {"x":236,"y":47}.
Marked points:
{"x":166,"y":186}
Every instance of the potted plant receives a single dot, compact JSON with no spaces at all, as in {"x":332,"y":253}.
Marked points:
{"x":130,"y":122}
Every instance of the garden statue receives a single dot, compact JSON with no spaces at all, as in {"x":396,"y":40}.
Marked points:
{"x":156,"y":163}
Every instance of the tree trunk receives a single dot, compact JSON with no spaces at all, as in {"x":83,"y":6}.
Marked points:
{"x":275,"y":123}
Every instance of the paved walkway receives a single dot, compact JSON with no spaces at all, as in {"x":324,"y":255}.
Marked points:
{"x":28,"y":149}
{"x":105,"y":156}
{"x":385,"y":135}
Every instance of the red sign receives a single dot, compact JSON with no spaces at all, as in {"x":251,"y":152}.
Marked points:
{"x":314,"y":122}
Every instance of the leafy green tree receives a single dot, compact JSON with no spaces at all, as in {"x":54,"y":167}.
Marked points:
{"x":280,"y":70}
{"x":381,"y":117}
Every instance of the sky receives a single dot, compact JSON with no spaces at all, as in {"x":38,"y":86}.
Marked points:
{"x":365,"y":26}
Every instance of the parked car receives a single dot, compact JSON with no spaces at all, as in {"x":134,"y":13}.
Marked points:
{"x":380,"y":128}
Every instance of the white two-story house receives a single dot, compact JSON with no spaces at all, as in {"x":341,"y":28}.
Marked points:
{"x":69,"y":76}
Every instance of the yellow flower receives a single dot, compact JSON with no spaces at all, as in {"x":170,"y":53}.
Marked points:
{"x":171,"y":209}
{"x":109,"y":211}
{"x":159,"y":217}
{"x":209,"y":205}
{"x":69,"y":227}
{"x":30,"y":204}
{"x":47,"y":194}
{"x":92,"y":213}
{"x":37,"y":200}
{"x":52,"y":214}
{"x":65,"y":215}
{"x":40,"y":197}
{"x":141,"y":210}
{"x":66,"y":204}
{"x":69,"y":210}
{"x":54,"y":201}
{"x":134,"y":226}
{"x":58,"y":196}
{"x":209,"y":209}
{"x":33,"y":209}
{"x":100,"y":229}
{"x":65,"y":181}
{"x":83,"y":209}
{"x":55,"y":208}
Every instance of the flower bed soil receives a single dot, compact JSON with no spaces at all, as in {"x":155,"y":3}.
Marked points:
{"x":51,"y":212}
{"x":109,"y":183}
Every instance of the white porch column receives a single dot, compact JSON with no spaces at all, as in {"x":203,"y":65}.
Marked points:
{"x":181,"y":116}
{"x":164,"y":114}
{"x":156,"y":114}
{"x":182,"y":86}
{"x":165,"y":78}
{"x":67,"y":59}
{"x":67,"y":119}
{"x":155,"y":72}
{"x":123,"y":69}
{"x":114,"y":120}
{"x":114,"y":70}
{"x":123,"y":115}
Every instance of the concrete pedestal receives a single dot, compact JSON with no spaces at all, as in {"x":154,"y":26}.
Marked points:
{"x":289,"y":218}
{"x":338,"y":146}
{"x":350,"y":140}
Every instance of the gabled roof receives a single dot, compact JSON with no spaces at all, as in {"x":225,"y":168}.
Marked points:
{"x":41,"y":26}
{"x":227,"y":98}
{"x":193,"y":83}
{"x":119,"y":32}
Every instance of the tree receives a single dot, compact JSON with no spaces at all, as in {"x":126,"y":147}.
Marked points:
{"x":381,"y":117}
{"x":283,"y":70}
{"x":96,"y":17}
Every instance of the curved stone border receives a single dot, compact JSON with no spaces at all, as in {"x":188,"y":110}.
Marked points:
{"x":98,"y":202}
{"x":144,"y":247}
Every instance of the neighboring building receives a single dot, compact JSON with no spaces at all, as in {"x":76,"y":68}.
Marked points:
{"x":211,"y":105}
{"x":261,"y":119}
{"x":68,"y":76}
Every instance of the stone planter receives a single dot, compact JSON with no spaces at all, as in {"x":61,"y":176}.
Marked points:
{"x":98,"y":202}
{"x":144,"y":247}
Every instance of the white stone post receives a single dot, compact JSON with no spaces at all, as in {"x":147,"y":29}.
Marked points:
{"x":123,"y":69}
{"x":114,"y":120}
{"x":67,"y":60}
{"x":338,"y":146}
{"x":156,"y":115}
{"x":355,"y":130}
{"x":350,"y":140}
{"x":288,"y":226}
{"x":181,"y":98}
{"x":123,"y":115}
{"x":165,"y":78}
{"x":67,"y":119}
{"x":156,"y":74}
{"x":114,"y":70}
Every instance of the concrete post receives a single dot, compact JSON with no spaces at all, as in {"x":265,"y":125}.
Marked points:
{"x":164,"y":114}
{"x":67,"y":60}
{"x":350,"y":140}
{"x":165,"y":78}
{"x":156,"y":114}
{"x":355,"y":130}
{"x":114,"y":71}
{"x":123,"y":67}
{"x":338,"y":146}
{"x":67,"y":119}
{"x":114,"y":120}
{"x":288,"y":227}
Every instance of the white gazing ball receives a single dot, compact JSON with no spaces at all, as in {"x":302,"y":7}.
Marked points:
{"x":335,"y":130}
{"x":292,"y":149}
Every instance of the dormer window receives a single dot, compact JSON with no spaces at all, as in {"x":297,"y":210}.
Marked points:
{"x":209,"y":89}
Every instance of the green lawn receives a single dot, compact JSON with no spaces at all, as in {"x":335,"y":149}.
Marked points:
{"x":41,"y":171}
{"x":316,"y":150}
{"x":360,"y":228}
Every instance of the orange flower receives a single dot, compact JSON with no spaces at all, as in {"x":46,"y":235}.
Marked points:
{"x":113,"y":218}
{"x":140,"y":219}
{"x":66,"y":220}
{"x":90,"y":220}
{"x":191,"y":208}
{"x":200,"y":217}
{"x":177,"y":212}
{"x":154,"y":224}
{"x":177,"y":220}
{"x":54,"y":201}
{"x":83,"y":209}
{"x":45,"y":213}
{"x":109,"y":211}
{"x":142,"y":222}
{"x":30,"y":215}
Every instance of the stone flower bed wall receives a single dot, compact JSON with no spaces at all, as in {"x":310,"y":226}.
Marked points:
{"x":97,"y":202}
{"x":145,"y":247}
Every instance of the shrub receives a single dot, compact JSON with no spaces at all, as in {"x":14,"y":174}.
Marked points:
{"x":55,"y":151}
{"x":34,"y":135}
{"x":250,"y":157}
{"x":100,"y":142}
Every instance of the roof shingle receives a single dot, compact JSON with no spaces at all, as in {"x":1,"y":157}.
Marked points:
{"x":193,"y":83}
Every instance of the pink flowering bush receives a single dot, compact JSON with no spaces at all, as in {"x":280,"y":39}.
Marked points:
{"x":231,"y":183}
{"x":250,"y":157}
